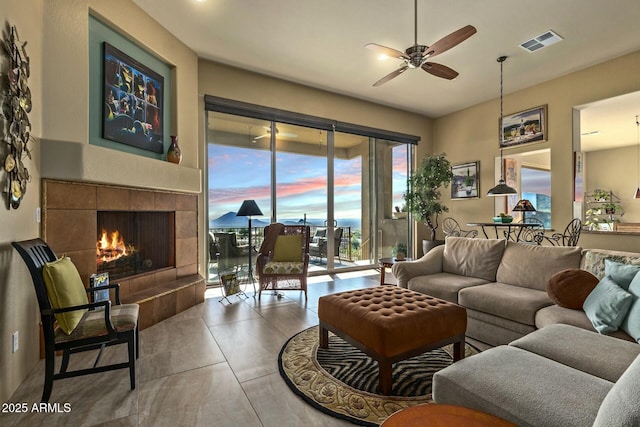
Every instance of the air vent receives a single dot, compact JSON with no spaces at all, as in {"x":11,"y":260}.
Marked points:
{"x":543,"y":40}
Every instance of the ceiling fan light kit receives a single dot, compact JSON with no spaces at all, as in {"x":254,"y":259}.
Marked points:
{"x":418,"y":56}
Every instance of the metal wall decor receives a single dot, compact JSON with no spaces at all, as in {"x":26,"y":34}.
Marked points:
{"x":16,"y":105}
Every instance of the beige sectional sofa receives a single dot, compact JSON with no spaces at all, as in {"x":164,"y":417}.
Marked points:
{"x":556,"y":370}
{"x":558,"y":376}
{"x":502,"y":284}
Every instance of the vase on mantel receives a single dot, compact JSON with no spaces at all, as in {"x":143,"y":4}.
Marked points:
{"x":174,"y":155}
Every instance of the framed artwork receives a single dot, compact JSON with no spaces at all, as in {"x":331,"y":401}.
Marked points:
{"x":465,"y":183}
{"x":132,"y":108}
{"x":524,"y":127}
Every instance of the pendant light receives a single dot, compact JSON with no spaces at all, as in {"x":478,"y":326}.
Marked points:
{"x":501,"y":189}
{"x":637,"y":195}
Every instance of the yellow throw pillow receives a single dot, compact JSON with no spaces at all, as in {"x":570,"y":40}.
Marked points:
{"x":288,"y":248}
{"x":65,"y":289}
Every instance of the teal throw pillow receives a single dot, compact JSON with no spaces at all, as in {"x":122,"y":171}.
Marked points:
{"x":631,"y":323}
{"x":620,"y":273}
{"x":607,"y":306}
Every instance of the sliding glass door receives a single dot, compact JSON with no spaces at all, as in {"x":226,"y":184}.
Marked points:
{"x":345,"y":186}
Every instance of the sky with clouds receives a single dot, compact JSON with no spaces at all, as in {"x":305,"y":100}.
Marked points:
{"x":237,"y":174}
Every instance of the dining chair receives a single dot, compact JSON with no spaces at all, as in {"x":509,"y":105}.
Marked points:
{"x":72,"y":324}
{"x":450,"y":227}
{"x":569,"y":237}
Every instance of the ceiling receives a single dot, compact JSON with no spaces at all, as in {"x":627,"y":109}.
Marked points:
{"x":321,"y":43}
{"x":610,"y":123}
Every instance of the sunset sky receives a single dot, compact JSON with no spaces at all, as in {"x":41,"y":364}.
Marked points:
{"x":236,"y":174}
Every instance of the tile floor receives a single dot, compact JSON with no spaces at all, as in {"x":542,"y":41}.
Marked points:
{"x":212,"y":365}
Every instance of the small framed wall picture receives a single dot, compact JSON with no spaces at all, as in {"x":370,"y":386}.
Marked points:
{"x":524,"y":127}
{"x":465,"y":183}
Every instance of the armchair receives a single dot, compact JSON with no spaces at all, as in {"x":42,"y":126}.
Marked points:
{"x":283,"y":261}
{"x":69,"y":322}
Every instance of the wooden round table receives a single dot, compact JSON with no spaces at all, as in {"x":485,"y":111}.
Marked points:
{"x":435,"y":415}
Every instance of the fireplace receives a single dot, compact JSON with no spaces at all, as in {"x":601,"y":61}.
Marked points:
{"x":162,"y":275}
{"x":131,"y":243}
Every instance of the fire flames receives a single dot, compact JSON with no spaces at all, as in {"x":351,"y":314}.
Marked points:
{"x":111,"y":246}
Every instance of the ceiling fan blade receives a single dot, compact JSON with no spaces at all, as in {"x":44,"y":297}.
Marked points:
{"x":440,"y":70}
{"x":391,"y":75}
{"x":261,"y":136}
{"x":383,"y":50}
{"x":450,"y":41}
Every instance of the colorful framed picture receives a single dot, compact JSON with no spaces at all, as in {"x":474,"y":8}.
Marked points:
{"x":465,"y":183}
{"x":524,"y":127}
{"x":133,"y":96}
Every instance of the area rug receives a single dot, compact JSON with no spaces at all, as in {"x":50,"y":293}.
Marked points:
{"x":343,"y":382}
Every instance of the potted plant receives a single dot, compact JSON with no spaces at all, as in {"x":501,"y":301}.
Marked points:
{"x":601,"y":195}
{"x":611,"y":208}
{"x":423,"y":194}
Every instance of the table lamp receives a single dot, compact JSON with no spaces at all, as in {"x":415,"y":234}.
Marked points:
{"x":524,"y":206}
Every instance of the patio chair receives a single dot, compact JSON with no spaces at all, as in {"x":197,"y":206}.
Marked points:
{"x":230,"y":254}
{"x":450,"y":227}
{"x":69,"y":322}
{"x":283,"y":261}
{"x":319,"y":243}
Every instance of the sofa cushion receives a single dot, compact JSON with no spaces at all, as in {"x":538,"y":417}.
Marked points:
{"x":593,"y":260}
{"x":555,"y":314}
{"x":620,"y":273}
{"x":506,"y":301}
{"x":521,"y":387}
{"x":631,"y":323}
{"x":620,"y":406}
{"x":531,"y":266}
{"x":443,"y":285}
{"x":581,"y":349}
{"x":472,"y":257}
{"x":607,"y":305}
{"x":569,"y":288}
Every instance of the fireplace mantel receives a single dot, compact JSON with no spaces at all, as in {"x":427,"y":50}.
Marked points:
{"x":73,"y":161}
{"x":69,"y":223}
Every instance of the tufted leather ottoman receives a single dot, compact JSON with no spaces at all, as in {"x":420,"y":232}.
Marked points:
{"x":390,"y":324}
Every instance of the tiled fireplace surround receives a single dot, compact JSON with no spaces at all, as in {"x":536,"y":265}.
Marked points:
{"x":69,"y":223}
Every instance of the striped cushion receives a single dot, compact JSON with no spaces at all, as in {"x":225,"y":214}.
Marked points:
{"x":124,"y":318}
{"x":283,"y":268}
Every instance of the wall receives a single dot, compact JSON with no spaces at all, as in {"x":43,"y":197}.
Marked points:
{"x":622,"y":180}
{"x":66,"y":147}
{"x":57,"y":33}
{"x":18,"y":308}
{"x":471,"y":134}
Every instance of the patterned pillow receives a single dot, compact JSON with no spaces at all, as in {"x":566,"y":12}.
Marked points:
{"x":593,"y":260}
{"x":283,"y":268}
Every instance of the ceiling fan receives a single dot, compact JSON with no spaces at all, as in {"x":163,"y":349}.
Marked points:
{"x":268,"y":133}
{"x":417,"y":56}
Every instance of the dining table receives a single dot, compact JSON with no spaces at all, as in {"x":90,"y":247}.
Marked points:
{"x":509,"y":229}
